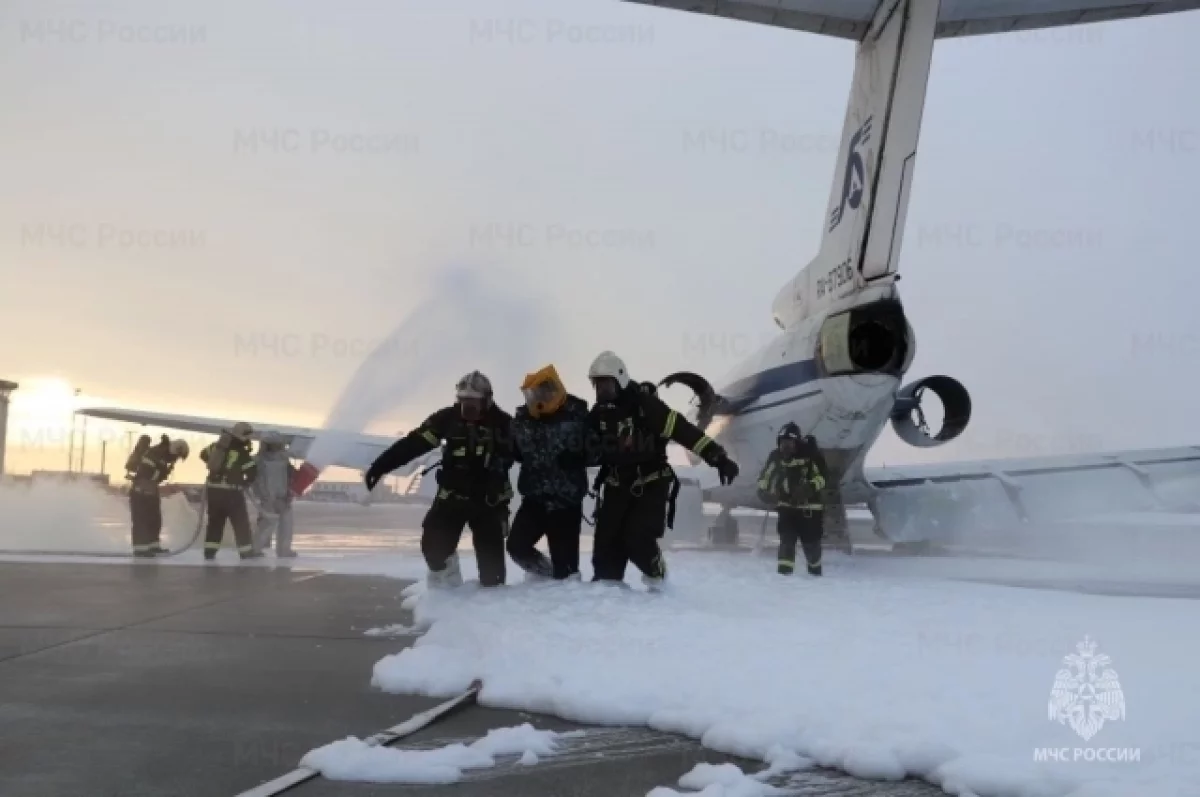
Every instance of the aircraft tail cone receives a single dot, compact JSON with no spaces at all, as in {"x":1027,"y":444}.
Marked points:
{"x":303,"y":478}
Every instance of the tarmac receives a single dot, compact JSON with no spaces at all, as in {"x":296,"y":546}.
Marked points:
{"x":136,"y":680}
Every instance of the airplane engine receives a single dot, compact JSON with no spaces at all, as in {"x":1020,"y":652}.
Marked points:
{"x":708,"y":401}
{"x":956,"y":410}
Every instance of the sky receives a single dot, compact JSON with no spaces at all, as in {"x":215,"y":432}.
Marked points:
{"x":222,"y":208}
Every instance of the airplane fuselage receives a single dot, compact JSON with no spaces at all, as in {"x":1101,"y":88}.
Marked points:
{"x":815,"y":374}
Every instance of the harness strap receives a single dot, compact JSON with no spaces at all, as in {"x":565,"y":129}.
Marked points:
{"x":671,"y":498}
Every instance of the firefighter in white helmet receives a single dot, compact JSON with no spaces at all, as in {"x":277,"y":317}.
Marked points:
{"x":148,"y":467}
{"x":474,"y":488}
{"x":630,"y":428}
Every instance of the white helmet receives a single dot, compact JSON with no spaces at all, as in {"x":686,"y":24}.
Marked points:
{"x":473,"y":385}
{"x":609,"y":364}
{"x":179,"y":449}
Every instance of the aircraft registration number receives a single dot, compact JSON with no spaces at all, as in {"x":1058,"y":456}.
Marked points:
{"x":838,"y":276}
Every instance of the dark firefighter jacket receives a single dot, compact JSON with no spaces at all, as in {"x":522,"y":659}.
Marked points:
{"x":539,"y":443}
{"x":795,"y":483}
{"x":153,"y":469}
{"x":476,"y":455}
{"x":237,"y":471}
{"x":629,"y":438}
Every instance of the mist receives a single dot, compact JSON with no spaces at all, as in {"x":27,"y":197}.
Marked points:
{"x":1103,"y":519}
{"x":81,"y":518}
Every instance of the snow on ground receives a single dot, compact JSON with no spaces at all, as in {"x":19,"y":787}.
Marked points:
{"x":354,"y":759}
{"x":879,"y":674}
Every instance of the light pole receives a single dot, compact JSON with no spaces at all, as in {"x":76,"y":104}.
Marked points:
{"x":6,"y":388}
{"x":71,"y":445}
{"x":83,"y":448}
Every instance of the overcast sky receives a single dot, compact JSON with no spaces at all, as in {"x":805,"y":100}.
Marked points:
{"x":221,"y":207}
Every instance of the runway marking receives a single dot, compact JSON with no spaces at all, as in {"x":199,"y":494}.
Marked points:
{"x":383,"y":738}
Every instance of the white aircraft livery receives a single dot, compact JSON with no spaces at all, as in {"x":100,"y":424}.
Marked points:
{"x":838,"y":366}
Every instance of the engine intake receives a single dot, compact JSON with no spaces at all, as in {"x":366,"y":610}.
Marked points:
{"x":956,"y":410}
{"x":708,"y":401}
{"x":874,"y":338}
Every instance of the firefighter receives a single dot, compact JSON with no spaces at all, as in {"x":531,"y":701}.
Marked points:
{"x":231,"y":470}
{"x":473,"y":481}
{"x":272,"y":488}
{"x":629,"y":430}
{"x":792,"y":481}
{"x":548,"y":425}
{"x":145,"y":500}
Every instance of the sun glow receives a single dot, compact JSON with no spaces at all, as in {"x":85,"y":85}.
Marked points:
{"x":44,"y":401}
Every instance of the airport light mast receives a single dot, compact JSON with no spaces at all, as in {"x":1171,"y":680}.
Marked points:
{"x":6,"y":389}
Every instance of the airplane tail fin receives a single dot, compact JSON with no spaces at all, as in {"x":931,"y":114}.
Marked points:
{"x":868,"y":200}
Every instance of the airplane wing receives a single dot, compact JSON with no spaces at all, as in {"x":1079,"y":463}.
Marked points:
{"x":851,"y":19}
{"x":1052,"y":487}
{"x":359,"y":452}
{"x":910,"y":500}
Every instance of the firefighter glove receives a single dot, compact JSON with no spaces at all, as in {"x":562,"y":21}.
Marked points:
{"x":726,"y":468}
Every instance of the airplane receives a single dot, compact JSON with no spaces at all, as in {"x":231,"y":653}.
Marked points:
{"x":838,"y":365}
{"x":837,"y":368}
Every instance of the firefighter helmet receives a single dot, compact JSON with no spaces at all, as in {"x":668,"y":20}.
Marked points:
{"x":179,"y":449}
{"x":609,"y":364}
{"x":789,"y":431}
{"x":473,"y":385}
{"x":274,"y":439}
{"x":242,"y":431}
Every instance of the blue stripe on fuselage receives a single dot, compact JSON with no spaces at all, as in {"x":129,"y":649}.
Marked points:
{"x":770,"y":405}
{"x":772,"y":380}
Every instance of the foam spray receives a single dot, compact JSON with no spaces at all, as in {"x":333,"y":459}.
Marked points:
{"x":475,"y":318}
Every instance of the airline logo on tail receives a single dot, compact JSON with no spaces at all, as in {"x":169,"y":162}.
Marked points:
{"x":856,"y":177}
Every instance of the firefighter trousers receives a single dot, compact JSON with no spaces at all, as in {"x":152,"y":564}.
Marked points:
{"x":560,"y":527}
{"x":272,"y":523}
{"x":227,"y":504}
{"x":145,"y":518}
{"x":807,"y":526}
{"x":628,"y":527}
{"x":443,"y":528}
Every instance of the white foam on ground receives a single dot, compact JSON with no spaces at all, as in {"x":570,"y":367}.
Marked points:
{"x":390,"y":631}
{"x":880,"y":675}
{"x":352,"y":759}
{"x":717,"y":780}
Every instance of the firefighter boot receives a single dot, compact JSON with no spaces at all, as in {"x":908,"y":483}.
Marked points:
{"x":448,"y":577}
{"x":658,"y":582}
